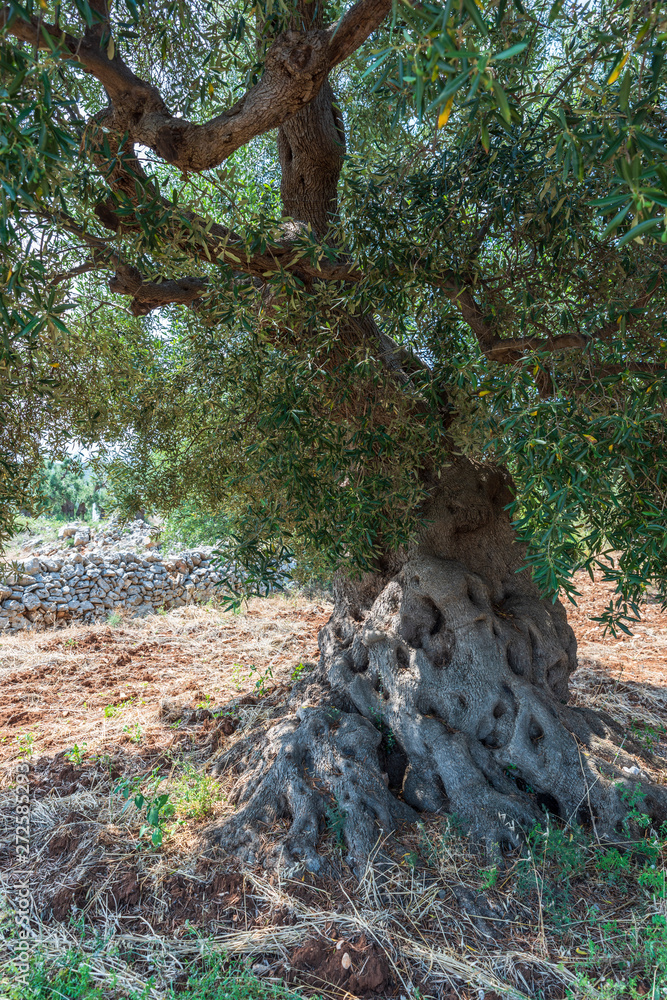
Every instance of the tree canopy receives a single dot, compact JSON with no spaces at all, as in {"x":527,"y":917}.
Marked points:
{"x":479,"y":266}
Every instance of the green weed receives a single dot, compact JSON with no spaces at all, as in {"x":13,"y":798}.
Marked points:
{"x":135,"y":732}
{"x":70,"y":976}
{"x":76,"y":754}
{"x":193,"y":793}
{"x":156,"y":807}
{"x":241,"y":675}
{"x":111,"y":711}
{"x":647,"y":734}
{"x":336,"y":820}
{"x":298,"y":671}
{"x":26,"y":744}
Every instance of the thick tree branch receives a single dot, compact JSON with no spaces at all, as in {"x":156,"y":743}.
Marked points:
{"x":508,"y":350}
{"x":216,"y":243}
{"x":296,"y":65}
{"x":354,"y":27}
{"x":91,"y":265}
{"x":149,"y":295}
{"x":117,"y":79}
{"x":474,"y":317}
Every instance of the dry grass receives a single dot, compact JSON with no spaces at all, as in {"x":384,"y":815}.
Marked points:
{"x":433,"y":916}
{"x":57,"y":684}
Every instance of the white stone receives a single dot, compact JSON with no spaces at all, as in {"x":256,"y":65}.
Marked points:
{"x":81,"y":538}
{"x":12,"y":605}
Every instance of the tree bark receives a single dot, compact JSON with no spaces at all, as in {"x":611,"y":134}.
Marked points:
{"x":311,"y":146}
{"x":442,"y":687}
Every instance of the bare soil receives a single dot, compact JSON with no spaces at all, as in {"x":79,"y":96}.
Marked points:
{"x":160,"y":700}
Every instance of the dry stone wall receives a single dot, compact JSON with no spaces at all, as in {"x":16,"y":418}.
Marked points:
{"x":97,"y":573}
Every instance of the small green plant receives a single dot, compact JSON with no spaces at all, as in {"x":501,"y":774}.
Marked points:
{"x":111,"y":711}
{"x":26,"y":744}
{"x":336,"y":819}
{"x":298,"y":670}
{"x":489,"y":877}
{"x":209,"y":977}
{"x":193,"y":793}
{"x":633,"y":797}
{"x":134,"y":731}
{"x":69,"y":976}
{"x":104,"y":759}
{"x":388,"y":737}
{"x":114,"y":619}
{"x":76,"y":754}
{"x":647,"y":734}
{"x":156,"y":807}
{"x":613,"y":865}
{"x":261,"y":689}
{"x":239,"y":676}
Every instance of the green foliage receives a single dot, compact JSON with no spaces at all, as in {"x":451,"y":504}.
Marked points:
{"x":336,"y":820}
{"x":647,"y":734}
{"x":188,"y":526}
{"x":135,"y":732}
{"x":71,"y":976}
{"x":155,"y":805}
{"x":65,"y":485}
{"x":541,"y":195}
{"x":215,"y":979}
{"x":193,"y":793}
{"x":244,"y":675}
{"x":26,"y":743}
{"x":76,"y":754}
{"x":600,"y":905}
{"x":111,"y":711}
{"x":583,"y":81}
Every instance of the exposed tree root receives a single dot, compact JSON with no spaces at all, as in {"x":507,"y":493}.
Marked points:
{"x":452,"y":676}
{"x":318,"y":768}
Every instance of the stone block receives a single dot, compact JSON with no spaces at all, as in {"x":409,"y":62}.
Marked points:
{"x":31,"y":567}
{"x":13,"y":605}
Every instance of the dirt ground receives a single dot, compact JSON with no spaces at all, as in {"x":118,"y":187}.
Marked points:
{"x":149,"y":704}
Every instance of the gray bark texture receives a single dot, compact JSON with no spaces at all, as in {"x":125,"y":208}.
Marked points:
{"x":442,"y":687}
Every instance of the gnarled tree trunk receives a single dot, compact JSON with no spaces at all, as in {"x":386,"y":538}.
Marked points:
{"x":442,"y":687}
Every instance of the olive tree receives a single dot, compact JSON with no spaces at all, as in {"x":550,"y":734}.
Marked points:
{"x":384,"y":283}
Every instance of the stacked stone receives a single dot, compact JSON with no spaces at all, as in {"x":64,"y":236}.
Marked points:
{"x":91,"y":586}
